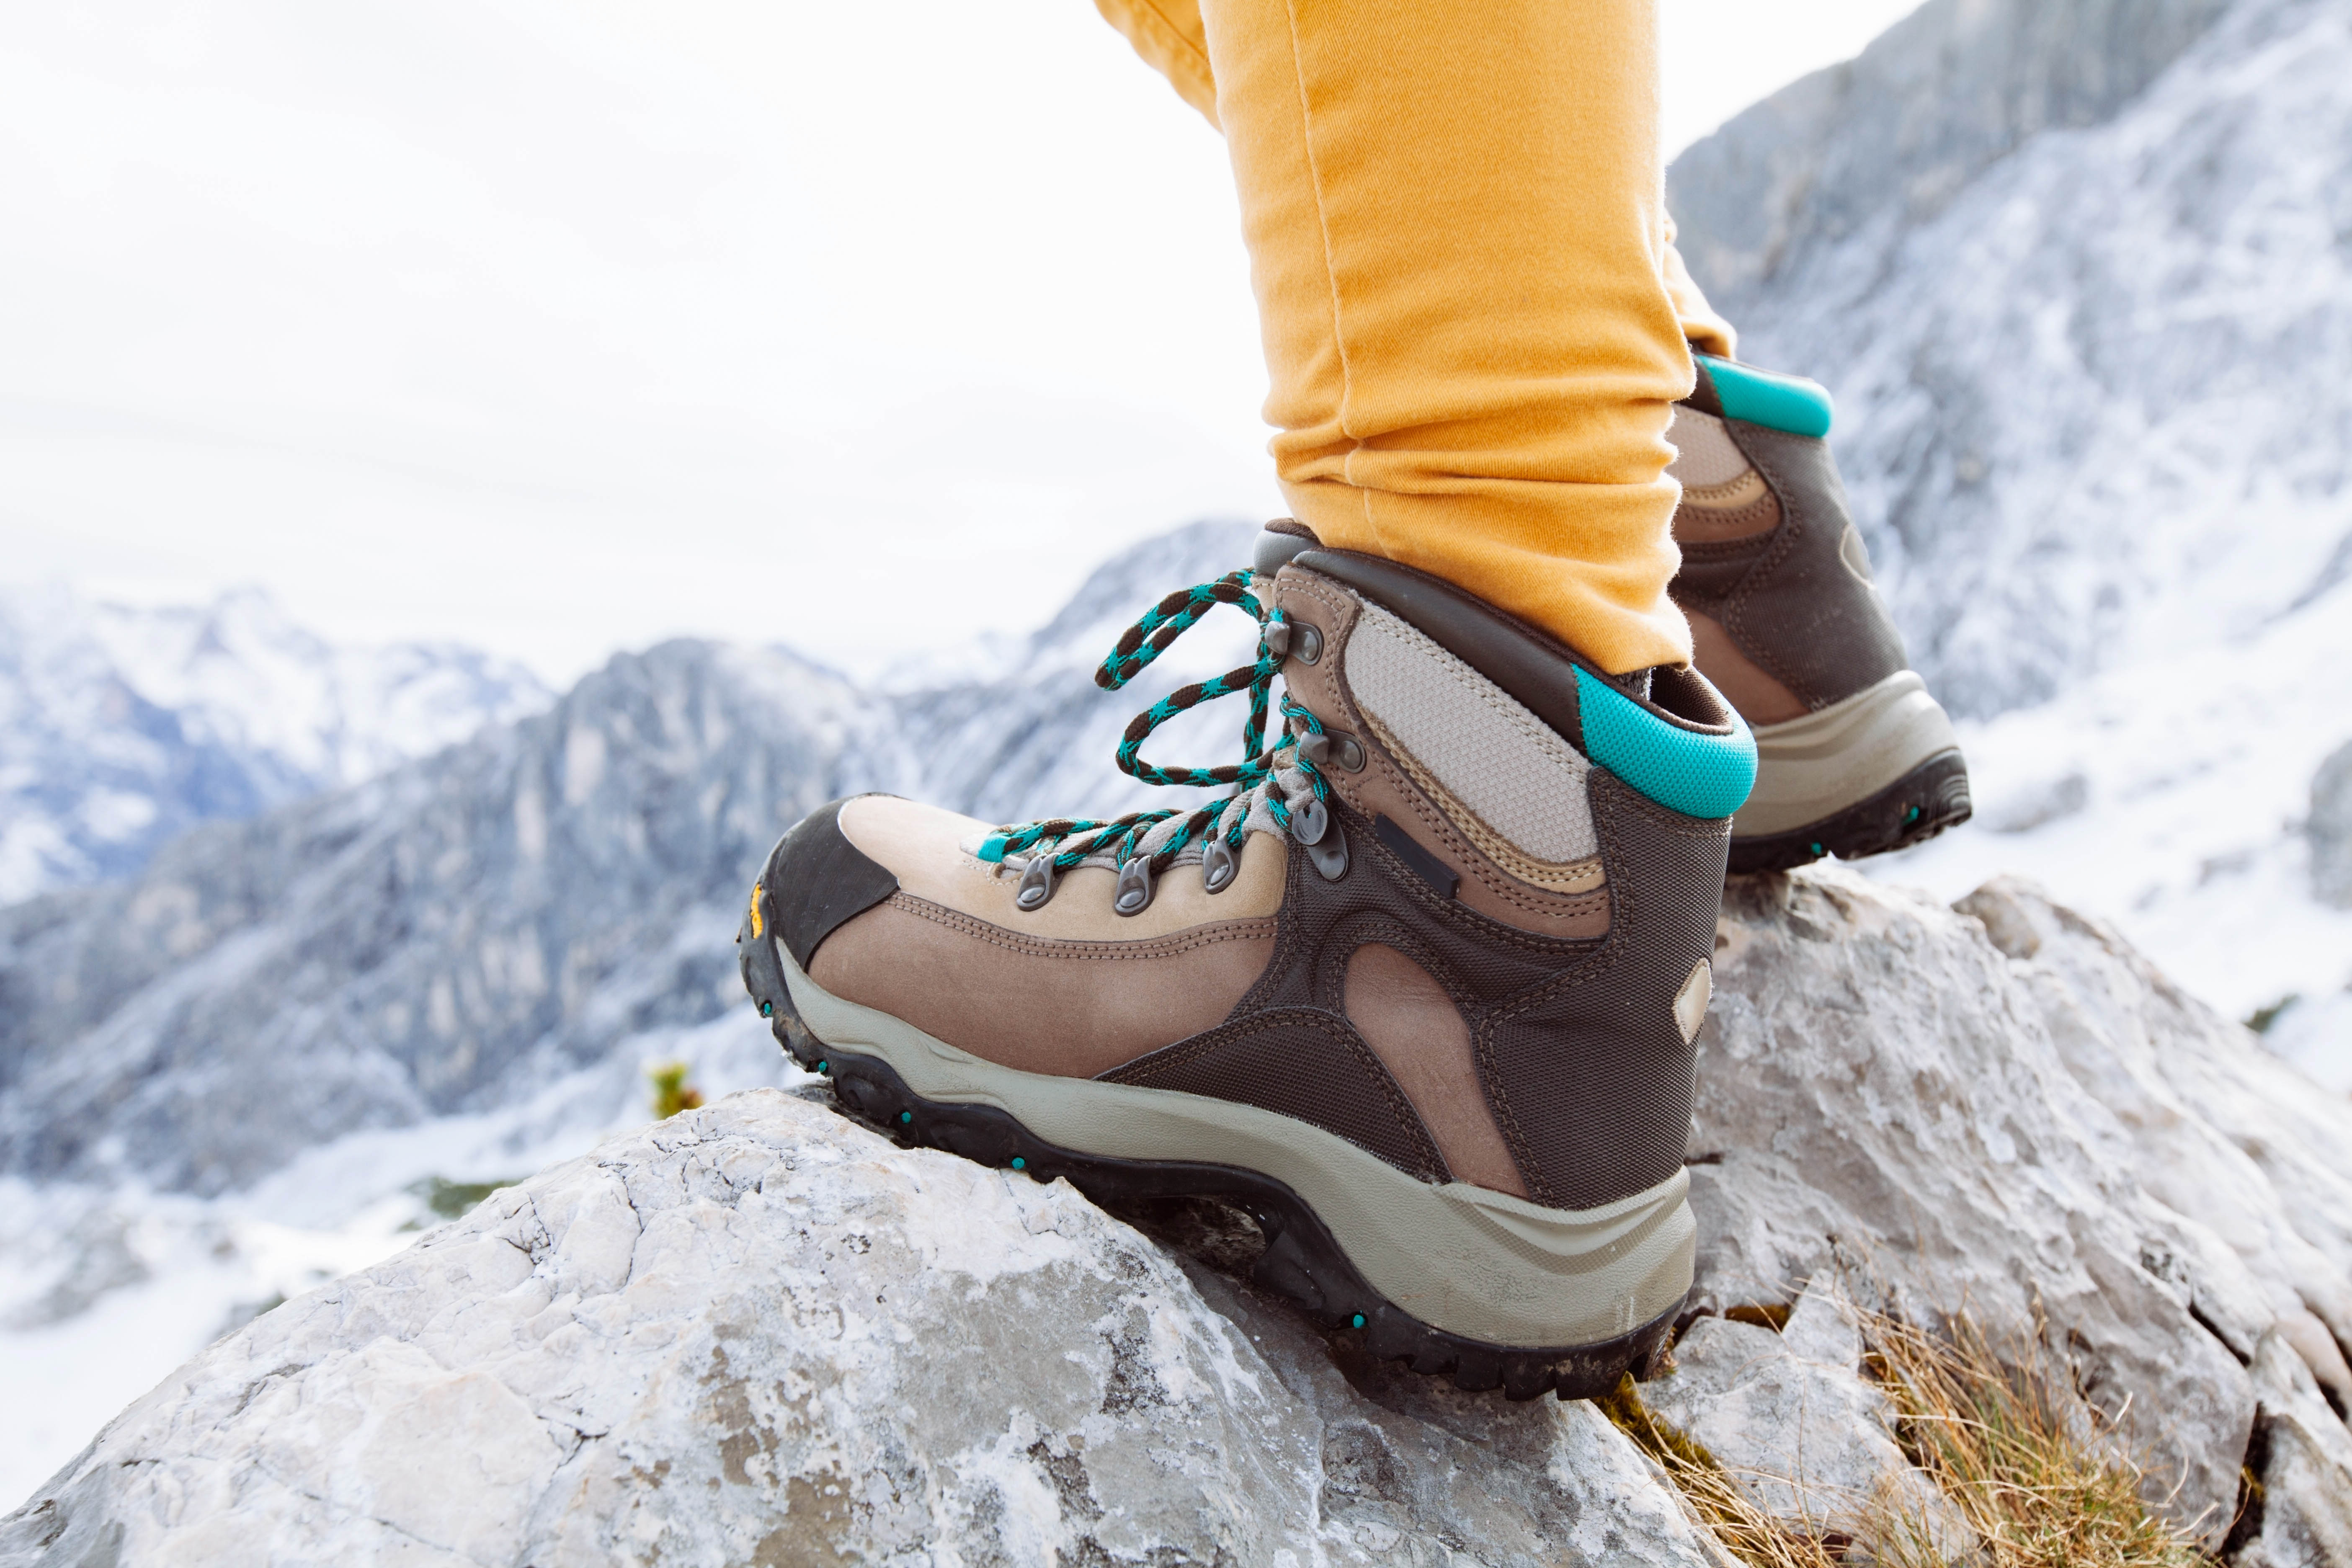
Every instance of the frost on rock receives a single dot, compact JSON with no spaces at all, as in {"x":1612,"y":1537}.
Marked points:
{"x":759,"y":1332}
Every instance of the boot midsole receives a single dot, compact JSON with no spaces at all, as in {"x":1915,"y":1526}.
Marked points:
{"x":1814,"y":767}
{"x":1480,"y":1264}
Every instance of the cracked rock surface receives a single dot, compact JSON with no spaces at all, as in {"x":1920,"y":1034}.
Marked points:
{"x":760,"y":1334}
{"x":2001,"y":1106}
{"x":1790,"y":1417}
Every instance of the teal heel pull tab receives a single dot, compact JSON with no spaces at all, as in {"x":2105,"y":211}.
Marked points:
{"x":1789,"y":403}
{"x":1697,"y":775}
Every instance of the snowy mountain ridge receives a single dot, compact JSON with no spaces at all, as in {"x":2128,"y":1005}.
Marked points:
{"x":122,"y":727}
{"x":2082,"y":412}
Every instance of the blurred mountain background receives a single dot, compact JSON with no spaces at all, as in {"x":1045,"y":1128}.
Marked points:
{"x":305,"y":942}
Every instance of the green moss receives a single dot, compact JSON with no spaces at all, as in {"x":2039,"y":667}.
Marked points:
{"x":2261,"y":1019}
{"x":672,"y":1094}
{"x":453,"y":1200}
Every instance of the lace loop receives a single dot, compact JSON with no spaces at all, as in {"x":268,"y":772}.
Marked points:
{"x":1258,"y":776}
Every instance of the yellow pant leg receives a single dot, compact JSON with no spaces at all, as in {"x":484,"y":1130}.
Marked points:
{"x":1169,"y":35}
{"x":1458,"y":233}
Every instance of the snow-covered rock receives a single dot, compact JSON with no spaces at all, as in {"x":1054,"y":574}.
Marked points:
{"x":2329,"y":828}
{"x":759,"y":1320}
{"x":120,"y":727}
{"x":758,"y":1333}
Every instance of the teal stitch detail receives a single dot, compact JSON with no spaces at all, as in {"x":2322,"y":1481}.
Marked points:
{"x":1789,"y":403}
{"x":1699,"y":776}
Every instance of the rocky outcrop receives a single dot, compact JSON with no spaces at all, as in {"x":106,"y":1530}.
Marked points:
{"x":2004,"y":1107}
{"x":759,"y":1332}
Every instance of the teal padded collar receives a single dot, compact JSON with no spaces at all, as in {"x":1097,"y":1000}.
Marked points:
{"x":1689,"y":770}
{"x":1789,"y":403}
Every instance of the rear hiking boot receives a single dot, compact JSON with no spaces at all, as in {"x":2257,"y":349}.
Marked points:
{"x":1854,"y":756}
{"x":1419,"y":993}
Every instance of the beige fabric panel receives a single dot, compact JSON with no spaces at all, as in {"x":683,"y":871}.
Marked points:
{"x":921,"y":846}
{"x":1703,"y":454}
{"x":1575,"y":909}
{"x":1501,"y":762}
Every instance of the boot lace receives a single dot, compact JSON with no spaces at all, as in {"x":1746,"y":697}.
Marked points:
{"x":1271,"y":782}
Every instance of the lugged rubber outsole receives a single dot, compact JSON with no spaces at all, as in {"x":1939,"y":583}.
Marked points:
{"x":1924,"y":802}
{"x":1302,"y":1262}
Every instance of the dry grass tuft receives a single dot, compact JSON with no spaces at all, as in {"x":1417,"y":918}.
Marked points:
{"x":2039,"y":1476}
{"x":1718,"y":1502}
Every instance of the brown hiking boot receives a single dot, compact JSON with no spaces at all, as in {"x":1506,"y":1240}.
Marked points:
{"x":1854,"y":757}
{"x":1420,"y":994}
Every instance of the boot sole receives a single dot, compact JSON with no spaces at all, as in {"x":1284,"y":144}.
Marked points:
{"x":1875,"y":771}
{"x":1924,"y":802}
{"x":1650,"y":1235}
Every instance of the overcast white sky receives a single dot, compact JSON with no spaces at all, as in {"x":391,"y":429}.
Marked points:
{"x":565,"y":325}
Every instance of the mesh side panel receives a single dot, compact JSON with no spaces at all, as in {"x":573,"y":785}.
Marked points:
{"x":1493,"y":756}
{"x":1704,"y":453}
{"x":1299,"y":1062}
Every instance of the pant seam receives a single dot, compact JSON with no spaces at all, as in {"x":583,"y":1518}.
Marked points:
{"x":1183,"y":54}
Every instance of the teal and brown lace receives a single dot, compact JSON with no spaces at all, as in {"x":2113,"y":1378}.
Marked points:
{"x":1073,"y":840}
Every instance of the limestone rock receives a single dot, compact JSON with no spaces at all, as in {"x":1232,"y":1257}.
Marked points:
{"x":2004,"y":1107}
{"x":2303,"y":1517}
{"x":760,"y":1334}
{"x":757,"y":1331}
{"x":1790,"y":1416}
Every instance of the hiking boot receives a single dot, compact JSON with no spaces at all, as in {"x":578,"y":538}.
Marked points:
{"x":1854,"y":757}
{"x":1419,"y":993}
